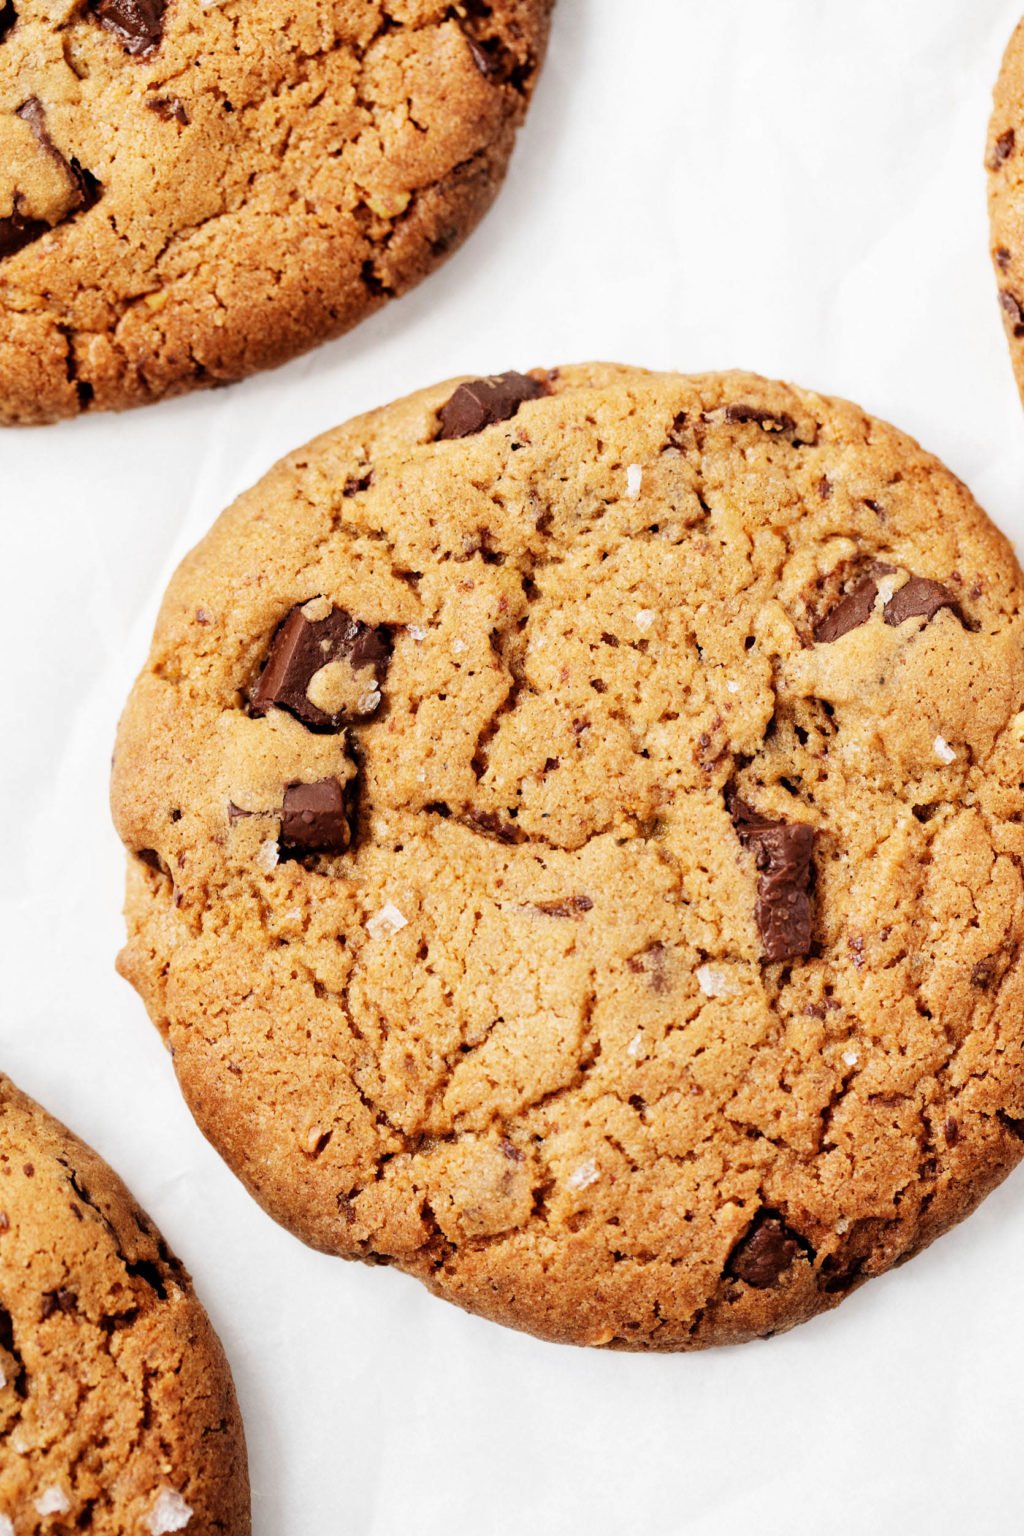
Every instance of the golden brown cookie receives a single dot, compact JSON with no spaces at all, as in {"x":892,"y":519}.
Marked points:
{"x":577,"y":831}
{"x":117,"y":1412}
{"x":191,"y":190}
{"x":1005,"y":162}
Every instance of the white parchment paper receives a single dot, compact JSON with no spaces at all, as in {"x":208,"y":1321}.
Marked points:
{"x":792,"y":186}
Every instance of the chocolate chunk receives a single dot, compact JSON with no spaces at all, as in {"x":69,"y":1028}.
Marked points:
{"x":170,"y":108}
{"x":298,"y":651}
{"x":919,"y":598}
{"x":765,"y":1252}
{"x":849,"y":613}
{"x":485,"y":402}
{"x":1002,"y":149}
{"x":783,"y":852}
{"x":769,"y":421}
{"x":137,"y":24}
{"x":8,"y":16}
{"x":57,"y":1301}
{"x":16,"y":232}
{"x":572,"y":906}
{"x":1014,"y":1125}
{"x":315,"y":818}
{"x":1013,"y":311}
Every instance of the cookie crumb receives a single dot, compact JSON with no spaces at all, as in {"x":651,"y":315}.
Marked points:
{"x":586,"y":1174}
{"x":169,"y":1513}
{"x":634,"y":480}
{"x":943,"y":751}
{"x":387,"y":921}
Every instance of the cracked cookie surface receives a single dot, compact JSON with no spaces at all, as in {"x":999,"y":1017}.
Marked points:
{"x":1004,"y":162}
{"x":192,"y":190}
{"x":117,"y":1412}
{"x":576,"y":837}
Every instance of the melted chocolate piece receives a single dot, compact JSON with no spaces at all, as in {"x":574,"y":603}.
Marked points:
{"x":783,"y":853}
{"x":16,"y":232}
{"x":8,"y":16}
{"x":302,"y":646}
{"x":765,"y":1252}
{"x":920,"y":598}
{"x":572,"y":906}
{"x":1013,"y":311}
{"x":485,"y":402}
{"x":137,"y":24}
{"x":315,"y":818}
{"x":849,"y":613}
{"x":170,"y":108}
{"x":1002,"y":149}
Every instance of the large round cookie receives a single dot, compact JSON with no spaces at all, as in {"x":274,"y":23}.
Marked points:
{"x":191,"y":190}
{"x":577,"y":827}
{"x":1005,"y":163}
{"x":117,"y":1412}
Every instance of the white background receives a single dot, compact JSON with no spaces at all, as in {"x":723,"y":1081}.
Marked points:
{"x":792,"y":186}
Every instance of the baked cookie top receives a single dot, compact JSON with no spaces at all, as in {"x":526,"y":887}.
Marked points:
{"x":1005,"y":163}
{"x":576,"y":827}
{"x":117,"y":1412}
{"x":191,"y":190}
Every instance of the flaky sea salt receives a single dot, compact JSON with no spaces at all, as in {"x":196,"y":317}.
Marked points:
{"x":645,"y":618}
{"x":416,"y":632}
{"x":3,"y":1378}
{"x":585,"y":1174}
{"x":851,"y":1058}
{"x":458,"y":646}
{"x":53,"y":1502}
{"x":386,"y":922}
{"x":268,"y":857}
{"x":635,"y":1046}
{"x":943,"y":751}
{"x":733,"y":686}
{"x":6,"y":1526}
{"x":634,"y":480}
{"x":714,"y":983}
{"x":886,"y":587}
{"x":169,"y":1513}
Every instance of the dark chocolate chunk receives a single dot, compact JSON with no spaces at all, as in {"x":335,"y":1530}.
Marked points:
{"x":1002,"y":149}
{"x":485,"y":402}
{"x":8,"y":16}
{"x":137,"y":24}
{"x":1013,"y":1124}
{"x":849,"y":613}
{"x":315,"y":818}
{"x":301,"y":647}
{"x":16,"y":232}
{"x":783,"y":852}
{"x":765,"y":1251}
{"x":1013,"y":311}
{"x":919,"y":598}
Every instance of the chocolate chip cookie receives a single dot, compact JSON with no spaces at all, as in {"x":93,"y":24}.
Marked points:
{"x":117,"y":1412}
{"x":1005,"y":163}
{"x":576,"y":834}
{"x":191,"y":190}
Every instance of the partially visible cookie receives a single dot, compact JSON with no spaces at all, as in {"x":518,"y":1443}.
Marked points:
{"x":191,"y":190}
{"x":1005,"y":163}
{"x":117,"y":1411}
{"x":576,"y":832}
